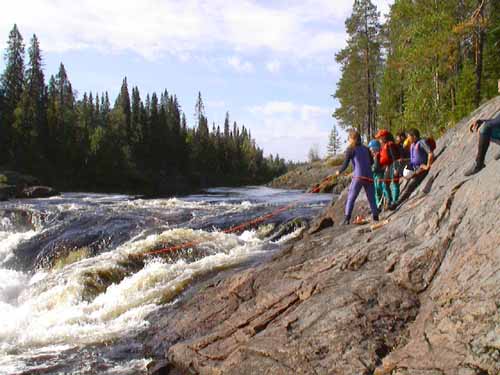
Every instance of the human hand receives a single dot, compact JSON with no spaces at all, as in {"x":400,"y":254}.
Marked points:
{"x":337,"y":173}
{"x":475,"y":125}
{"x":424,"y":168}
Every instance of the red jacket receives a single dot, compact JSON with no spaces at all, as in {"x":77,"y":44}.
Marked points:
{"x":389,"y":154}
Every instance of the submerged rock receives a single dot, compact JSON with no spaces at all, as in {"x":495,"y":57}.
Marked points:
{"x":418,"y":295}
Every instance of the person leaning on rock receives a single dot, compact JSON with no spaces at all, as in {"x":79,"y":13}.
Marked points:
{"x":421,"y":159}
{"x":488,"y":131}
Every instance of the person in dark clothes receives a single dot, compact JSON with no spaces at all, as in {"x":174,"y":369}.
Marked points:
{"x":421,"y":159}
{"x":488,"y":131}
{"x":378,"y":172}
{"x":404,"y":152}
{"x":362,"y":161}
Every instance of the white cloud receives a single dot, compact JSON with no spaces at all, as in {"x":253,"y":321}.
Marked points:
{"x":289,"y":128}
{"x":299,"y":29}
{"x":240,"y":66}
{"x":273,"y":66}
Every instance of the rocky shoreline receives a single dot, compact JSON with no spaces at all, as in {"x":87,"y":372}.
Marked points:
{"x":17,"y":185}
{"x":417,"y":295}
{"x":313,"y":177}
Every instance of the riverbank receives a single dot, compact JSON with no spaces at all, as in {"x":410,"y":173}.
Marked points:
{"x":314,"y":177}
{"x":417,"y":295}
{"x":18,"y":185}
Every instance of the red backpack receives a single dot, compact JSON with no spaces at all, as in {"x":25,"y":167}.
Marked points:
{"x":389,"y":154}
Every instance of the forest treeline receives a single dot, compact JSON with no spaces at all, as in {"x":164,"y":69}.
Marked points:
{"x":132,"y":145}
{"x":427,"y":65}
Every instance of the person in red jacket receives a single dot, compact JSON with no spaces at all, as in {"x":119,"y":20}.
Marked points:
{"x":389,"y":154}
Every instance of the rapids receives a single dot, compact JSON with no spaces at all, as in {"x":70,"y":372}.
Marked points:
{"x":76,"y":291}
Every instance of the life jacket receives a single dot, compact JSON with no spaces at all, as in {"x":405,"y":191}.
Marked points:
{"x":376,"y":167}
{"x":418,"y":154}
{"x":389,"y":154}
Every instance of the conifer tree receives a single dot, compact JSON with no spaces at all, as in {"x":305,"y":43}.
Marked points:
{"x":334,"y":142}
{"x":30,"y":122}
{"x":11,"y":83}
{"x":360,"y":63}
{"x":124,"y":104}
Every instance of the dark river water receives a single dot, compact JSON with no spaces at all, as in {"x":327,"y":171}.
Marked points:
{"x":76,"y":289}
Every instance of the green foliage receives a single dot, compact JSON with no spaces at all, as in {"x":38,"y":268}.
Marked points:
{"x":433,"y":74}
{"x":441,"y":60}
{"x":133,"y":146}
{"x":334,"y":142}
{"x":360,"y":64}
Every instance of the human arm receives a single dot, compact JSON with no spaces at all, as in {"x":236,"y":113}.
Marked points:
{"x":478,"y":123}
{"x":349,"y":153}
{"x":430,"y":156}
{"x":430,"y":160}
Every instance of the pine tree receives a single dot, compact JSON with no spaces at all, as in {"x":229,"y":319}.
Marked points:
{"x":334,"y":142}
{"x":30,"y":121}
{"x":11,"y":82}
{"x":123,"y":102}
{"x":360,"y":64}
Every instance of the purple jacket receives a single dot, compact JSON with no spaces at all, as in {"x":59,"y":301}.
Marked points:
{"x":419,"y":153}
{"x":361,"y":161}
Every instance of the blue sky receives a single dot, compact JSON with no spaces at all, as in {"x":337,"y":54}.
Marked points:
{"x":269,"y":63}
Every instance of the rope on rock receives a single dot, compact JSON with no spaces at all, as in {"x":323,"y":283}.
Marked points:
{"x":239,"y":227}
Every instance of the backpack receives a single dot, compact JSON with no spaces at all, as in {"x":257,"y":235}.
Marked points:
{"x":430,"y":142}
{"x":389,"y":154}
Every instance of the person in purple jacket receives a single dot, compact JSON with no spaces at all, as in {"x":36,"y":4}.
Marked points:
{"x":362,"y":161}
{"x":421,"y":159}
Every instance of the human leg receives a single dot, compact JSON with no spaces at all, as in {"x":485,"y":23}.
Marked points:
{"x":394,"y":184}
{"x":370,"y":195}
{"x":484,"y":139}
{"x":410,"y":188}
{"x":354,"y":190}
{"x":495,"y":138}
{"x":377,"y":185}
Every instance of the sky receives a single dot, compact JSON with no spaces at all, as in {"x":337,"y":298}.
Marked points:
{"x":270,"y":64}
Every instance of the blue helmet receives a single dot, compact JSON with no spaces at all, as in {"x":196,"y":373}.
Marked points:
{"x":374,"y":144}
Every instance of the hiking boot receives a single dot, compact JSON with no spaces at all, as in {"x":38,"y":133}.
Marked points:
{"x":474,"y":169}
{"x":375,"y":218}
{"x":393,"y":206}
{"x":347,"y":221}
{"x":482,"y":148}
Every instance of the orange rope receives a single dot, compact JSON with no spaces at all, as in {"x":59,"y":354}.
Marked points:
{"x":239,"y":227}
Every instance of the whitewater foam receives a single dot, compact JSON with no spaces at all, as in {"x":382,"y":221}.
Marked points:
{"x":51,"y":308}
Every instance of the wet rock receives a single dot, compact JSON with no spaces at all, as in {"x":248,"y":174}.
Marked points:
{"x":420,"y":295}
{"x":37,"y":192}
{"x":17,"y":185}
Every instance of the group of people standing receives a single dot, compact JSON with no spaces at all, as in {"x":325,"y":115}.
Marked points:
{"x":379,"y":168}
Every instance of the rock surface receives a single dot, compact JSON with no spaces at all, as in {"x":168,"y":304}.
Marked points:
{"x":313,"y":177}
{"x":420,"y":295}
{"x":37,"y":192}
{"x":17,"y":185}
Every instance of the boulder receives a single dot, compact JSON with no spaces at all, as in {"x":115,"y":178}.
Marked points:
{"x":418,"y":295}
{"x":17,"y":185}
{"x":37,"y":192}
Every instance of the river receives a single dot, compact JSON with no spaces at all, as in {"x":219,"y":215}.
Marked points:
{"x":76,"y":292}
